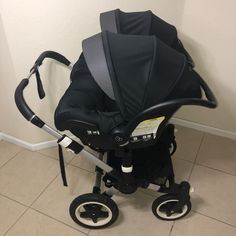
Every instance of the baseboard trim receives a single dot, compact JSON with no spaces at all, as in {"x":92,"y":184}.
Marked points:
{"x":204,"y":128}
{"x":27,"y":145}
{"x":177,"y":121}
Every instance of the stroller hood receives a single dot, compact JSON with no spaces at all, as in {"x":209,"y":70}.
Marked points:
{"x":138,"y":23}
{"x":136,"y":71}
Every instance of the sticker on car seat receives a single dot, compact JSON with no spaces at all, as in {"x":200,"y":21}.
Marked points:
{"x":148,"y":127}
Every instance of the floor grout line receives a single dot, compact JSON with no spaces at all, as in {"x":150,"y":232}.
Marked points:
{"x":213,"y":218}
{"x":48,"y":156}
{"x":222,"y":171}
{"x":16,"y":221}
{"x":32,"y":208}
{"x":9,"y":198}
{"x":68,"y":163}
{"x":199,"y":148}
{"x":194,"y":162}
{"x":92,"y":172}
{"x":11,"y":158}
{"x":212,"y":168}
{"x":182,"y":159}
{"x":44,"y":189}
{"x":51,"y":157}
{"x":171,"y":229}
{"x":57,"y":220}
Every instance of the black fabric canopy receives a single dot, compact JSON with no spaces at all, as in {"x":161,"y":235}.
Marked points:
{"x":138,"y":71}
{"x":138,"y":23}
{"x":142,"y":23}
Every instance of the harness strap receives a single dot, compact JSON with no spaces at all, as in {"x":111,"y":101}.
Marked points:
{"x":41,"y":92}
{"x":62,"y":165}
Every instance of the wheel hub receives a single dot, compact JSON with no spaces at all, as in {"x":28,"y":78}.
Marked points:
{"x":94,"y":212}
{"x":167,"y":208}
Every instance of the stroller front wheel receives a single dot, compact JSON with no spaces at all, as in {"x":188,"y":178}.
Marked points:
{"x":163,"y":205}
{"x":93,"y":211}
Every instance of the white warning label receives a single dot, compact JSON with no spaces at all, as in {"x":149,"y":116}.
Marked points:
{"x":148,"y":127}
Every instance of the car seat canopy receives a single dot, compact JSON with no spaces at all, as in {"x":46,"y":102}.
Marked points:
{"x":143,"y":23}
{"x":139,"y":71}
{"x":138,"y":23}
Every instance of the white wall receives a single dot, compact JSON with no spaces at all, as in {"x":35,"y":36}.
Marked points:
{"x":28,"y":27}
{"x":209,"y":32}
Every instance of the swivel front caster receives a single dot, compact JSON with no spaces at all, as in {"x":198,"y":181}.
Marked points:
{"x":164,"y":208}
{"x":94,"y":211}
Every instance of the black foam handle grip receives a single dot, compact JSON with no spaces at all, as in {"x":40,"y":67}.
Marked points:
{"x":23,"y":106}
{"x":20,"y":101}
{"x":53,"y":55}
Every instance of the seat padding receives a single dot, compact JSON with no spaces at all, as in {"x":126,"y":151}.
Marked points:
{"x":85,"y":102}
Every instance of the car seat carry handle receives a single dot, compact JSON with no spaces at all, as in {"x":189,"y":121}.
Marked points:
{"x":211,"y":99}
{"x":165,"y":109}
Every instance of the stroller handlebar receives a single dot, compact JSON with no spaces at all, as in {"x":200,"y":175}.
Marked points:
{"x":53,"y":55}
{"x":47,"y":54}
{"x":23,"y":106}
{"x":20,"y":101}
{"x":19,"y":96}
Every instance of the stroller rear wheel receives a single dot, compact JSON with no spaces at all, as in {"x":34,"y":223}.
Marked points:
{"x":93,"y":211}
{"x":163,"y":206}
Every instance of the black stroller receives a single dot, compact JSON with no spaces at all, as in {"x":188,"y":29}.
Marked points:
{"x":126,"y":85}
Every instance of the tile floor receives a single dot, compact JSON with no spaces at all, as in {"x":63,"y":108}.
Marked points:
{"x":33,"y":201}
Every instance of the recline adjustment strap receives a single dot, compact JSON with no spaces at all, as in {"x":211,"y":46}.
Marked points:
{"x":62,"y":165}
{"x":41,"y":92}
{"x":70,"y":145}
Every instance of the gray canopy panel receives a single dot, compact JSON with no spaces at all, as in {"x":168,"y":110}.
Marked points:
{"x":108,"y":21}
{"x":96,"y":61}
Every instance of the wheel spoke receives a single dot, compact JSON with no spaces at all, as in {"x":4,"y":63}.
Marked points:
{"x":88,"y":207}
{"x":103,"y":214}
{"x":167,"y":208}
{"x":84,"y":214}
{"x":94,"y":219}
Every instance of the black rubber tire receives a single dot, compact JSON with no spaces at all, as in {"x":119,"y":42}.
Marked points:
{"x":168,"y":197}
{"x":92,"y":197}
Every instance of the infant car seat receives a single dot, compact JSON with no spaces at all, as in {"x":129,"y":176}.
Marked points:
{"x":119,"y":77}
